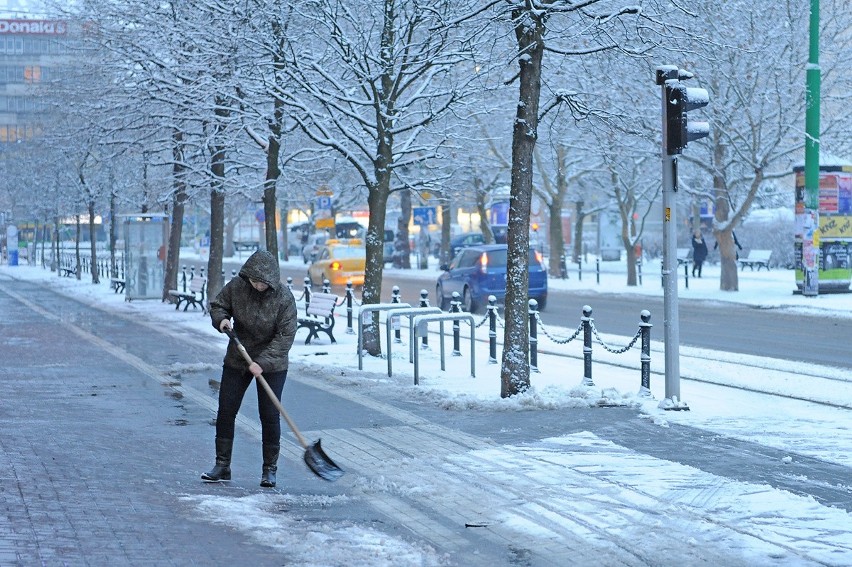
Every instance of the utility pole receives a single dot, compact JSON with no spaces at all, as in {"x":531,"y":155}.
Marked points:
{"x":810,"y":220}
{"x":678,"y":131}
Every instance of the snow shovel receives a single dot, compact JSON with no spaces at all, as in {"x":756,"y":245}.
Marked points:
{"x":316,"y":459}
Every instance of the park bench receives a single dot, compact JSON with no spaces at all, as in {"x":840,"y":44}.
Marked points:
{"x":756,"y":258}
{"x":67,"y":272}
{"x":684,"y":256}
{"x":319,"y":316}
{"x":245,"y":245}
{"x":117,"y":285}
{"x":194,"y":296}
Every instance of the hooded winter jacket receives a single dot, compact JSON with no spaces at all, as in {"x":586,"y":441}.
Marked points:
{"x":265,"y":321}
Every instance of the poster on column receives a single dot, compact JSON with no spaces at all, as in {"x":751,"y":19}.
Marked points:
{"x":829,"y":228}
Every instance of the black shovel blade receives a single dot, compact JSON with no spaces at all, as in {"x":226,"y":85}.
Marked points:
{"x":321,"y":464}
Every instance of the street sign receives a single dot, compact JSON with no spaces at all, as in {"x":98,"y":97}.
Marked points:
{"x":424,"y":216}
{"x":324,"y":219}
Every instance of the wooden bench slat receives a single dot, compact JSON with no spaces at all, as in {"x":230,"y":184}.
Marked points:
{"x":194,"y":296}
{"x":319,"y":316}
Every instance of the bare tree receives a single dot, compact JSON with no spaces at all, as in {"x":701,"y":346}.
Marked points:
{"x":584,"y":28}
{"x":754,"y":68}
{"x":370,"y":79}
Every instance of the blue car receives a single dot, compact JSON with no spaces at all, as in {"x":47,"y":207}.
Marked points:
{"x":479,"y":271}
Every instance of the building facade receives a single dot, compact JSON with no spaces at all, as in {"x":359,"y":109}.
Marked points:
{"x":31,"y":55}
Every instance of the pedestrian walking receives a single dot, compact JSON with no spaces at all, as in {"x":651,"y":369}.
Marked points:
{"x":736,"y":243}
{"x":699,"y":252}
{"x":262,"y":314}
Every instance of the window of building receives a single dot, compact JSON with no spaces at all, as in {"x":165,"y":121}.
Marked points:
{"x":32,"y":74}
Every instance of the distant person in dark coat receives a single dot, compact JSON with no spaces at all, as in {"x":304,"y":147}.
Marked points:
{"x":699,"y":252}
{"x":262,"y":313}
{"x":736,"y":242}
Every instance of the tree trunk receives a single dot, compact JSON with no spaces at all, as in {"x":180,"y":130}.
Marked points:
{"x":217,"y":206}
{"x":176,"y":228}
{"x":93,"y":243}
{"x":446,"y":234}
{"x":273,"y":172}
{"x":484,"y":221}
{"x":113,"y":235}
{"x":578,"y":232}
{"x":554,"y":212}
{"x":402,"y":249}
{"x":79,"y":236}
{"x":217,"y":222}
{"x":379,"y":192}
{"x":515,"y":371}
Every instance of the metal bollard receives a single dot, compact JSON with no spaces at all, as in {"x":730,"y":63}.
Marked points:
{"x":579,"y":269}
{"x":307,"y":294}
{"x":492,"y":329}
{"x":290,"y":283}
{"x":326,"y":286}
{"x":397,"y":323}
{"x":563,"y":267}
{"x":183,"y":278}
{"x":350,"y":300}
{"x":645,"y":357}
{"x":686,"y":274}
{"x":639,"y":269}
{"x":533,"y":304}
{"x":598,"y":270}
{"x":587,"y":346}
{"x":202,"y":271}
{"x":455,"y":307}
{"x":424,"y":302}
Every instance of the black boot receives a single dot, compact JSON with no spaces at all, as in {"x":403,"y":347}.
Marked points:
{"x":222,"y":470}
{"x":270,"y":465}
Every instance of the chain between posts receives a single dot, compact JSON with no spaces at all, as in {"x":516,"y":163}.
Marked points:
{"x":587,"y":327}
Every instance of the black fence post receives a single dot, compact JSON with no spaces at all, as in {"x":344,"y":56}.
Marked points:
{"x":326,"y":286}
{"x":290,"y":283}
{"x":686,"y":274}
{"x":424,"y":302}
{"x":183,"y":279}
{"x":645,"y":357}
{"x":587,"y":346}
{"x":639,"y":269}
{"x":492,"y":329}
{"x":579,"y":269}
{"x":307,"y":293}
{"x":563,"y":267}
{"x":349,"y":303}
{"x":533,"y":305}
{"x":397,"y":321}
{"x":455,"y":307}
{"x":598,"y":270}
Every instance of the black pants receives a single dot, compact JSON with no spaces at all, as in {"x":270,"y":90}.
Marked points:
{"x":235,"y":382}
{"x":696,"y":266}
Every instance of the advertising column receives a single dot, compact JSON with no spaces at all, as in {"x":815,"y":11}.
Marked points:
{"x":823,"y":237}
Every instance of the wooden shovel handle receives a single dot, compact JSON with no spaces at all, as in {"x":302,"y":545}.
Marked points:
{"x":262,"y":381}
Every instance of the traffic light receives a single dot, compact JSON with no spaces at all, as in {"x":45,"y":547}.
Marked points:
{"x":680,"y":130}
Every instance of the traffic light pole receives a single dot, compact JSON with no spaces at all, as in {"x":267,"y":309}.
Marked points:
{"x":671,"y":328}
{"x":678,"y":130}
